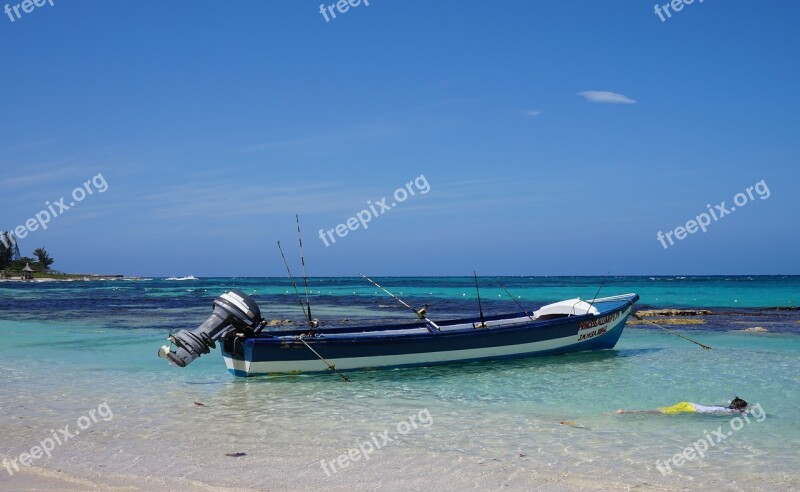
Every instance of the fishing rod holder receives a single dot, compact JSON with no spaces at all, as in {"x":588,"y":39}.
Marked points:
{"x":234,"y":311}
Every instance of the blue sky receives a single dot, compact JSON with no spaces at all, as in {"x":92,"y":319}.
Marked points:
{"x":214,"y":123}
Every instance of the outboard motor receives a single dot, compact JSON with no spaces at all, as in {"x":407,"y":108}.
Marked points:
{"x":233,"y":310}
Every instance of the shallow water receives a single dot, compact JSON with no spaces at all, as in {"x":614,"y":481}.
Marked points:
{"x":69,"y":348}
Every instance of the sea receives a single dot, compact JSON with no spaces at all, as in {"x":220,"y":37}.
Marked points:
{"x":87,"y":404}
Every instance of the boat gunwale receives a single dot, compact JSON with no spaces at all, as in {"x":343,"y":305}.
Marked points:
{"x":363,"y":334}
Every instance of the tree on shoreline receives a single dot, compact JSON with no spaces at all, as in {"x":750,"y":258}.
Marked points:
{"x":8,"y":250}
{"x":44,"y":259}
{"x":5,"y":256}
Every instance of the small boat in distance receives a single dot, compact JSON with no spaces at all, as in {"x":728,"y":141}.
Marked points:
{"x":571,"y":325}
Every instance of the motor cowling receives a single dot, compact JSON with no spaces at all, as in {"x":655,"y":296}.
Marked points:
{"x":233,"y":311}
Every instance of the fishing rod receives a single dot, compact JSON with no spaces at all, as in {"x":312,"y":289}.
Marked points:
{"x":480,"y":306}
{"x":517,"y":302}
{"x":598,"y":292}
{"x":432,"y":327}
{"x":636,"y":315}
{"x":313,"y":323}
{"x":294,"y":284}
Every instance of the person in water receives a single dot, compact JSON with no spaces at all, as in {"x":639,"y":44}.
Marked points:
{"x":737,"y":405}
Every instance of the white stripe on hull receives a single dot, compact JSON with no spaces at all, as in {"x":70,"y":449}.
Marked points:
{"x":316,"y":365}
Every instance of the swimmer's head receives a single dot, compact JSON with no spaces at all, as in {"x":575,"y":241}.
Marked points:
{"x":738,"y":404}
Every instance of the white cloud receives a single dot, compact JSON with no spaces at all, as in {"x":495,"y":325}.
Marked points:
{"x":35,"y":180}
{"x":606,"y":97}
{"x":533,"y":113}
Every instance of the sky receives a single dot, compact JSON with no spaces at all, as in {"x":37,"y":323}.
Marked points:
{"x":538,"y":138}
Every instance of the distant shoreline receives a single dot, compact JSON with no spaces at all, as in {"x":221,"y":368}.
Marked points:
{"x":66,"y":277}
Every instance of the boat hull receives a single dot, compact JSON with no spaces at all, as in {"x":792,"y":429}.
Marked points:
{"x":513,"y":336}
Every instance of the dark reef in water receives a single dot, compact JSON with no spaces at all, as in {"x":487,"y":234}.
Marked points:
{"x":673,"y":312}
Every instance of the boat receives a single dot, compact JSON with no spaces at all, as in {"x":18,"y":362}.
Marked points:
{"x":248,"y":349}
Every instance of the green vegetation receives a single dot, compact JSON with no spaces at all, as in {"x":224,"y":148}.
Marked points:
{"x":8,"y":250}
{"x":44,"y":259}
{"x":62,"y":276}
{"x":6,"y":254}
{"x":12,"y":263}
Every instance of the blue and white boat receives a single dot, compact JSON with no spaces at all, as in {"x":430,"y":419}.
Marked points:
{"x":248,"y":349}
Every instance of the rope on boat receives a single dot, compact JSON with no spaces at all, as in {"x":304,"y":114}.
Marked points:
{"x":636,"y":315}
{"x":330,"y":366}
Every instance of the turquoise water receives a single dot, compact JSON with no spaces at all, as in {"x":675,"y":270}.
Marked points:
{"x":69,"y":348}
